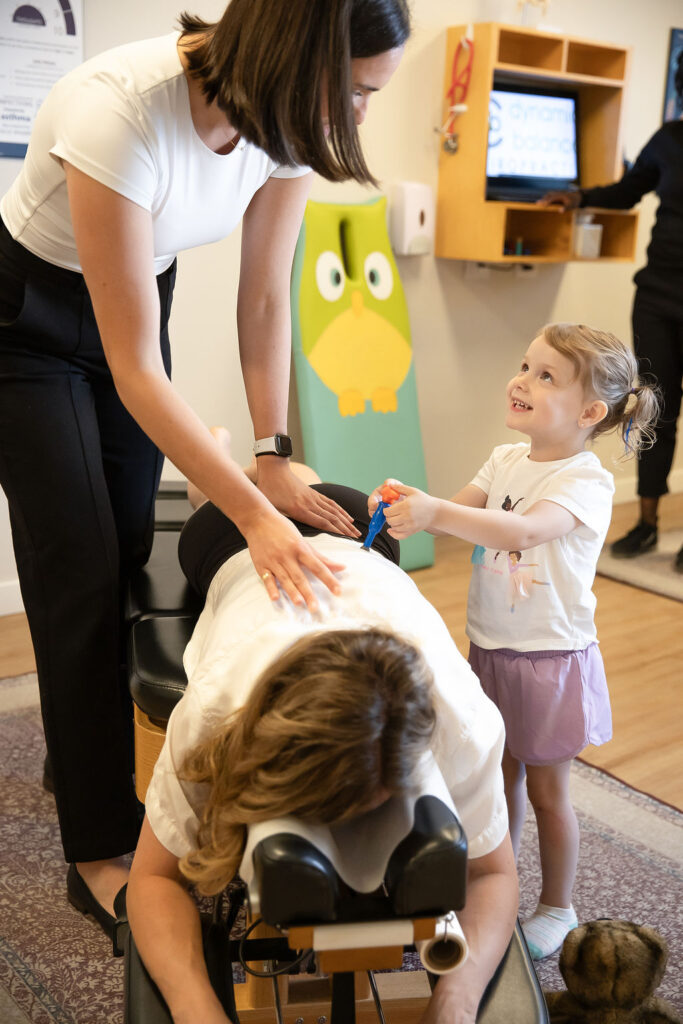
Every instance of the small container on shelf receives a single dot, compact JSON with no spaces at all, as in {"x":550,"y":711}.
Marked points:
{"x":587,"y":237}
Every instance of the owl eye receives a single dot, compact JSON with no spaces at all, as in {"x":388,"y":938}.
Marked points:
{"x":380,"y":279}
{"x":329,"y":276}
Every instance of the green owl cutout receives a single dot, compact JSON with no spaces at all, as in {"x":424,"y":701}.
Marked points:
{"x":353,"y":355}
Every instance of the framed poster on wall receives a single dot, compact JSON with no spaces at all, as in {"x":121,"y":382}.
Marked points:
{"x":39,"y":42}
{"x":673,"y":108}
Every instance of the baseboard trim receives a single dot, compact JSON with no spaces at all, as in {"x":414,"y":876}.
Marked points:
{"x":10,"y":598}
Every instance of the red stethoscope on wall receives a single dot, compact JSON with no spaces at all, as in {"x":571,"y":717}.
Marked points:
{"x":457,"y":94}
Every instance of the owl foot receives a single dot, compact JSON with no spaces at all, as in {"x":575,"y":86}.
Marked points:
{"x":384,"y":400}
{"x":350,"y":403}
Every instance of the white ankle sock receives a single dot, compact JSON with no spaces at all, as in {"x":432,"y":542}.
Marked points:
{"x":547,"y":928}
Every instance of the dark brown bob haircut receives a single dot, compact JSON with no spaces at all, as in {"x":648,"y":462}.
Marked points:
{"x":267,"y":64}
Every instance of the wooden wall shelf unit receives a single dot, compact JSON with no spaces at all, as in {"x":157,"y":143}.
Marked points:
{"x":470,"y":227}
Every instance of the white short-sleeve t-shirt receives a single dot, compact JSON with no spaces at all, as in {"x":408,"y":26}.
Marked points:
{"x":240,"y":633}
{"x":124,"y":119}
{"x":540,"y":599}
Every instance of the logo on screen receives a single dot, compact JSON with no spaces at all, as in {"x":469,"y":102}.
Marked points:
{"x":531,"y":136}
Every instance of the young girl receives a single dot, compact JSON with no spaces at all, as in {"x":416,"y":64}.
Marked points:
{"x":538,"y":513}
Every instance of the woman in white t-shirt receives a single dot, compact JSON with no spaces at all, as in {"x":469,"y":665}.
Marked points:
{"x":138,"y":153}
{"x":319,"y":716}
{"x":538,"y":514}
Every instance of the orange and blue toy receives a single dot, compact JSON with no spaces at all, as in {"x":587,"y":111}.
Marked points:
{"x":389,"y":496}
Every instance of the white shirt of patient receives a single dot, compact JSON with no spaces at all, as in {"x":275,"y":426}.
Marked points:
{"x":240,"y":633}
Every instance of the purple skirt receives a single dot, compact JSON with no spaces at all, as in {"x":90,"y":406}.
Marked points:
{"x":553,"y":703}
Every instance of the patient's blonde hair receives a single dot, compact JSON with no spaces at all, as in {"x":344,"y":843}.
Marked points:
{"x":609,"y":371}
{"x":339,"y":718}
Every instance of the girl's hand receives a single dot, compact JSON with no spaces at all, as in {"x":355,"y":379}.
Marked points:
{"x":387,"y":492}
{"x":415,"y":510}
{"x":280,"y":555}
{"x":294,"y":498}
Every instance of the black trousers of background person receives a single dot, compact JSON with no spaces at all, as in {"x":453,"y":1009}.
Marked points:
{"x":80,"y":478}
{"x":658,"y":345}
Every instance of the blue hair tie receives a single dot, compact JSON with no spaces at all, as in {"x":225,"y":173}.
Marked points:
{"x":627,"y":432}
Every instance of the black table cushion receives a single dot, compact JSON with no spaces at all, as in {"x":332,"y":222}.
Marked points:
{"x":156,"y":676}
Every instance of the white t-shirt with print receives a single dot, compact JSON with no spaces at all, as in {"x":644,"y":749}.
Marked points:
{"x":241,"y":631}
{"x":540,"y":599}
{"x":123,"y":118}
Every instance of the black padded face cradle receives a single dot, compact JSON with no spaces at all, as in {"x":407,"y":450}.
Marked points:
{"x":296,"y":882}
{"x":427,"y":873}
{"x":425,"y":876}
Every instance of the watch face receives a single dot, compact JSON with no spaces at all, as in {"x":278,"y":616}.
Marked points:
{"x":283,"y":444}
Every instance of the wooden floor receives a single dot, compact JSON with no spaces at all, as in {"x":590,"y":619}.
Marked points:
{"x":641,"y":637}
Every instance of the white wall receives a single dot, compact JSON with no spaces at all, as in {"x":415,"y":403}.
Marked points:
{"x":467,"y":337}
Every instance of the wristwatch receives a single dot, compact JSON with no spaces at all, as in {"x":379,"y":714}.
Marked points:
{"x":279,"y":444}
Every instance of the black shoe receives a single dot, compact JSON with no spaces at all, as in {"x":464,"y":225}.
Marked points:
{"x":678,"y":562}
{"x":121,"y":926}
{"x":82,"y":899}
{"x":642,"y":538}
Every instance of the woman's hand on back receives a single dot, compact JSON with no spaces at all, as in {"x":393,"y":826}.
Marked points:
{"x":291,"y":496}
{"x":281,"y":555}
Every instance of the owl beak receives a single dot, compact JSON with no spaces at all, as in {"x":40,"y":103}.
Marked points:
{"x":357,"y":302}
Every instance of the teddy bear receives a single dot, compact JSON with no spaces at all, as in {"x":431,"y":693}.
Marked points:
{"x":611,"y":968}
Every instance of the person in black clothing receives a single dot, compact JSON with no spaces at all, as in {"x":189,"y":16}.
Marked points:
{"x":657,"y":317}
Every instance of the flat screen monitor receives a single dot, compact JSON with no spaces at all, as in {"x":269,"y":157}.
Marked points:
{"x":532,"y":142}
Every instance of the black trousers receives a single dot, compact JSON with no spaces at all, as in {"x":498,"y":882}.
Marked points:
{"x":209,"y":538}
{"x":80,"y":478}
{"x":658,"y":345}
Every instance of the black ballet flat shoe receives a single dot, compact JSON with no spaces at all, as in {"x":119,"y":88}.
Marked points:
{"x":80,"y":897}
{"x":642,"y":538}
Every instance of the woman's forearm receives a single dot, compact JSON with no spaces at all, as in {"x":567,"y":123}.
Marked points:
{"x":167,"y":932}
{"x":488,"y":921}
{"x":269,"y":233}
{"x":265,"y":354}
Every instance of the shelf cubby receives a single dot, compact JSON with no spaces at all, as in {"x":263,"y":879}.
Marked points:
{"x":596,"y":61}
{"x":522,"y":49}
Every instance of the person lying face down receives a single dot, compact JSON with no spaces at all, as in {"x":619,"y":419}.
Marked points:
{"x":321,"y":716}
{"x":333,"y":728}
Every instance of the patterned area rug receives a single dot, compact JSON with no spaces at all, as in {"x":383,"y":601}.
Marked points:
{"x":653,"y":571}
{"x":56,"y":966}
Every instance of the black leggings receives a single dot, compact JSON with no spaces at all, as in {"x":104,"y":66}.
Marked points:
{"x":658,"y":344}
{"x":209,"y":538}
{"x":80,"y":478}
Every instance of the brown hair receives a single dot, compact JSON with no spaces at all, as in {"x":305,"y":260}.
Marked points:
{"x":334,"y":720}
{"x":608,"y":369}
{"x":268,"y":63}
